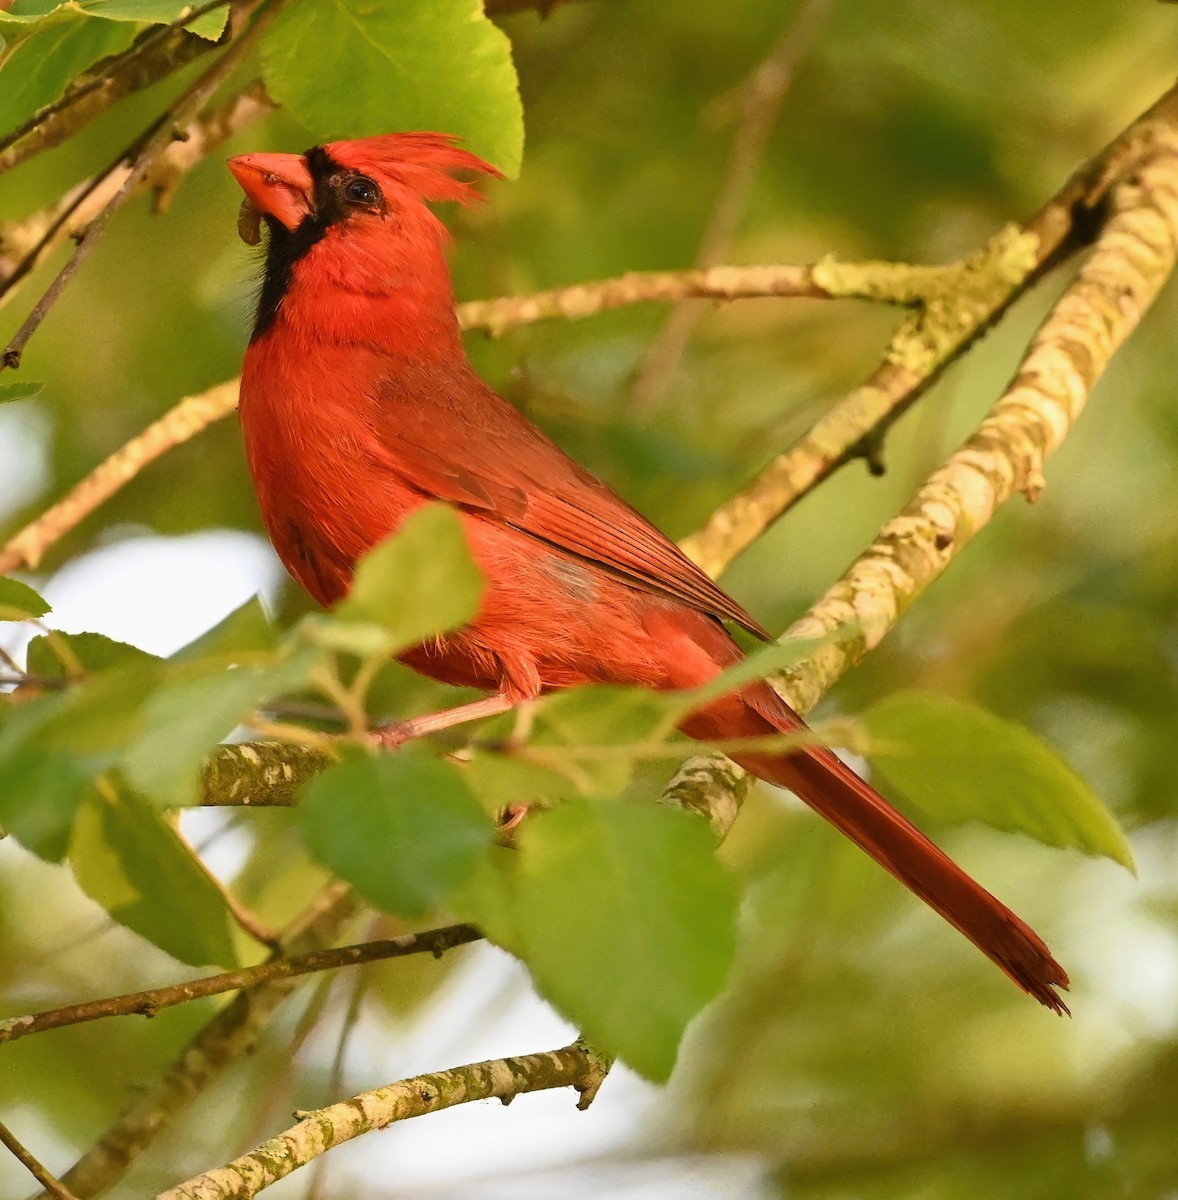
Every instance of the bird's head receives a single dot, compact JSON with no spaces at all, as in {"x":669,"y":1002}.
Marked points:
{"x":353,"y":214}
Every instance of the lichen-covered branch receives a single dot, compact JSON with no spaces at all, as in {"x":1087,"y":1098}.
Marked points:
{"x":257,"y":774}
{"x":1133,"y":257}
{"x":576,"y":1066}
{"x":957,"y":304}
{"x":231,"y":1034}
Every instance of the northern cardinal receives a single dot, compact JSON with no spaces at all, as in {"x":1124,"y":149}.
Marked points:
{"x":358,"y":405}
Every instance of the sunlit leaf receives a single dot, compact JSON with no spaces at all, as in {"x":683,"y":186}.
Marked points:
{"x":420,"y":582}
{"x":603,"y":731}
{"x":959,"y":762}
{"x":246,"y":628}
{"x":48,"y":53}
{"x":146,"y":12}
{"x":93,"y":651}
{"x":627,"y":922}
{"x":127,"y":857}
{"x":18,"y":601}
{"x":353,"y":68}
{"x":403,"y":828}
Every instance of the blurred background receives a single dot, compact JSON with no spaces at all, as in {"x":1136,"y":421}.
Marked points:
{"x":863,"y":1050}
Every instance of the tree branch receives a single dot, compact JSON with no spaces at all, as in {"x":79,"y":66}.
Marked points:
{"x":1131,"y":260}
{"x":916,"y":357}
{"x":232,"y":1033}
{"x":893,"y":283}
{"x":148,"y":1003}
{"x":177,"y":425}
{"x":52,"y":1185}
{"x":151,"y":59}
{"x":576,"y":1066}
{"x":147,"y":151}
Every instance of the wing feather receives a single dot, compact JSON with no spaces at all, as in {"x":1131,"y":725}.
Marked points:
{"x":493,"y":461}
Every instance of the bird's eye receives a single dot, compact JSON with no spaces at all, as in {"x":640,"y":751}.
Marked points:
{"x":362,"y":190}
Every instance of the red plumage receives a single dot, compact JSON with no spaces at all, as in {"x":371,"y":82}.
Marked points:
{"x":358,"y":405}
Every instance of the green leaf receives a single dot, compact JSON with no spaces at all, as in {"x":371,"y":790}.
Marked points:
{"x":129,"y":859}
{"x":354,"y":68}
{"x":94,"y":651}
{"x":603,"y":729}
{"x":958,"y":762}
{"x":246,"y":629}
{"x":48,"y":54}
{"x":99,"y":716}
{"x":146,"y":12}
{"x":765,"y":661}
{"x":500,"y":780}
{"x":159,"y":12}
{"x":18,"y":601}
{"x":403,"y":828}
{"x":420,"y":582}
{"x":627,"y":922}
{"x":19,"y":391}
{"x":188,"y":716}
{"x":40,"y":788}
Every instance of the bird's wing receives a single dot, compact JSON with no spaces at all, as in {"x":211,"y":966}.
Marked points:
{"x":453,"y":438}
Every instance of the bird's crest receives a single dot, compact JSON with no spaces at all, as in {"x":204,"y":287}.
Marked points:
{"x":420,"y":162}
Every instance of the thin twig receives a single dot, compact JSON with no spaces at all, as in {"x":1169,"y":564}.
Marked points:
{"x":161,"y":134}
{"x":887,"y":282}
{"x":148,"y":1003}
{"x":576,"y":1066}
{"x":26,"y":243}
{"x":761,"y":98}
{"x":231,"y":1034}
{"x":104,"y":72}
{"x":51,"y":1184}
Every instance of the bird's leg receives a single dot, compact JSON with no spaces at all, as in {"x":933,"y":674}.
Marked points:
{"x":397,"y":733}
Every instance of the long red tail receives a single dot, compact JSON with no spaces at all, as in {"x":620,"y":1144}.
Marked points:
{"x":835,"y":792}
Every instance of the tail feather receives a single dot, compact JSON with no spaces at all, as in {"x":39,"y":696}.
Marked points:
{"x":835,"y":792}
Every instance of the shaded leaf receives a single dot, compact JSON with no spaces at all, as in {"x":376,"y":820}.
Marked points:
{"x":19,"y":391}
{"x":40,"y":788}
{"x":627,"y":922}
{"x":403,"y":828}
{"x":188,"y":716}
{"x":128,"y":859}
{"x":959,"y":762}
{"x":147,"y":12}
{"x":354,"y":68}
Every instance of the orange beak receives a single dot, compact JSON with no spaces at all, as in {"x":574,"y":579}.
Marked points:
{"x":278,"y":185}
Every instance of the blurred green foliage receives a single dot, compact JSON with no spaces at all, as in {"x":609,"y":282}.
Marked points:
{"x":861,"y":1048}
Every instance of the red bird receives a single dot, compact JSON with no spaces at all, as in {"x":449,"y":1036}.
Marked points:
{"x":358,"y":405}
